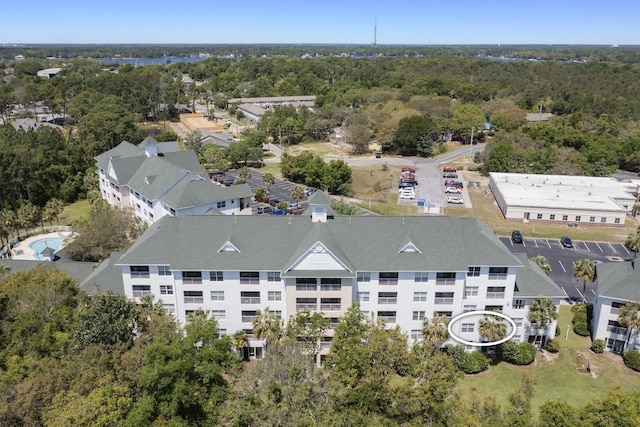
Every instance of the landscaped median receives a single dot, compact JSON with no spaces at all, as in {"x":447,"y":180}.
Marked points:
{"x":558,"y":376}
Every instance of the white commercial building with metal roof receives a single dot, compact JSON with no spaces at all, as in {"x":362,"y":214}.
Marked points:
{"x":561,"y":198}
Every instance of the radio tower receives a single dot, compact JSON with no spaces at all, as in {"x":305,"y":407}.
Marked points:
{"x":375,"y":34}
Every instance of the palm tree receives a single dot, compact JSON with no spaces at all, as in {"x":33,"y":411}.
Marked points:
{"x":244,"y":173}
{"x":541,"y":312}
{"x":297,"y":193}
{"x":633,"y":241}
{"x":53,"y":208}
{"x":584,"y":269}
{"x":435,"y":331}
{"x":267,"y":326}
{"x":543,"y":263}
{"x":629,"y":317}
{"x":239,"y":341}
{"x":492,"y":329}
{"x":268,"y":179}
{"x":4,"y":271}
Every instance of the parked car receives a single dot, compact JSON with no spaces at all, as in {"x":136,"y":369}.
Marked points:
{"x":408,"y":169}
{"x":292,"y":207}
{"x":229,"y":181}
{"x":274,"y":202}
{"x":309,"y":191}
{"x":566,"y":242}
{"x":264,"y":210}
{"x":454,"y":190}
{"x":407,"y":195}
{"x":448,"y":169}
{"x":297,"y":211}
{"x":405,"y":185}
{"x":278,"y":212}
{"x":455,"y":200}
{"x":410,"y":181}
{"x":516,"y":236}
{"x":449,"y":175}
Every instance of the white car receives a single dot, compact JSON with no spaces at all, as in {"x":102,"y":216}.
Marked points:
{"x":406,"y":195}
{"x":454,"y":190}
{"x":455,"y":200}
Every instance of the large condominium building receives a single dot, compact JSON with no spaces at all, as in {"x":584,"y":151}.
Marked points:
{"x":398,"y":269}
{"x":156,"y":179}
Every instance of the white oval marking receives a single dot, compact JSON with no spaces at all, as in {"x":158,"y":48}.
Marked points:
{"x":483,"y":312}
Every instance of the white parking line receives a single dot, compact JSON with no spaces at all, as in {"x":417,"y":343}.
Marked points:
{"x":548,"y":244}
{"x":612,"y":248}
{"x":598,"y":245}
{"x":586,"y":246}
{"x":580,"y":293}
{"x":625,"y":248}
{"x":562,"y":266}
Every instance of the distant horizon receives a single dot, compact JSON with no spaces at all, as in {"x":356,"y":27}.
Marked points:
{"x":322,"y":44}
{"x":332,"y":22}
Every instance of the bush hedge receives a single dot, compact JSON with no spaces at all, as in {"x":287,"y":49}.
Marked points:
{"x":580,"y":320}
{"x":518,"y":353}
{"x":632,"y":359}
{"x":597,"y":346}
{"x":581,"y":329}
{"x":552,"y":346}
{"x":469,"y":363}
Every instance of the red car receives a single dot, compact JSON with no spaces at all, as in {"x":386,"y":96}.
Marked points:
{"x":408,"y":169}
{"x":448,"y":169}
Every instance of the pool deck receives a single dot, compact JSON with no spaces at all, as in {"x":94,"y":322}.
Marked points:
{"x":23,"y":251}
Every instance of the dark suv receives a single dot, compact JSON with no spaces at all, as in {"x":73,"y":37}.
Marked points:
{"x":516,"y":236}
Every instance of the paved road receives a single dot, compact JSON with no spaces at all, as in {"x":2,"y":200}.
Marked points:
{"x":563,"y":259}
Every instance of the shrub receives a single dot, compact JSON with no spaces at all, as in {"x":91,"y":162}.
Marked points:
{"x":518,"y":354}
{"x":456,"y":353}
{"x":581,"y":329}
{"x":632,"y":359}
{"x":469,"y":363}
{"x":552,"y":346}
{"x":597,"y":346}
{"x":579,"y":317}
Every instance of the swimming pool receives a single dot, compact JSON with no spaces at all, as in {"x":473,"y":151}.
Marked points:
{"x":39,"y":245}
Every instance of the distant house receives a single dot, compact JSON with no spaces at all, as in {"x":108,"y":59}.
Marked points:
{"x":157,"y":180}
{"x":217,"y":138}
{"x":26,"y":124}
{"x":49,"y":72}
{"x":252,"y":112}
{"x":276,"y":101}
{"x":538,"y":117}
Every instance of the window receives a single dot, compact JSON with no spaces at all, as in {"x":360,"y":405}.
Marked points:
{"x":468,"y":308}
{"x":552,"y":217}
{"x":249,"y":297}
{"x":333,"y":322}
{"x":248,"y":316}
{"x":363,"y":296}
{"x":615,"y":307}
{"x":418,"y":315}
{"x":387,"y":297}
{"x":306,"y":284}
{"x":497,"y":273}
{"x":420,"y":297}
{"x":219,"y":314}
{"x":221,"y":204}
{"x":578,"y":217}
{"x":494,"y":292}
{"x":616,"y":328}
{"x":565,"y":217}
{"x":445,"y":278}
{"x":249,"y":278}
{"x":388,"y":278}
{"x":473,"y":272}
{"x":518,"y":321}
{"x":471,"y":291}
{"x":467,"y":327}
{"x":364,"y":276}
{"x":193,"y":297}
{"x":273,"y":276}
{"x":387,"y":316}
{"x":166,"y":289}
{"x":416,"y":334}
{"x":274,"y":296}
{"x":277,"y":313}
{"x":306,"y":304}
{"x":422,"y":277}
{"x":518,"y":303}
{"x":139,"y":271}
{"x":192,"y":277}
{"x":603,"y":219}
{"x":445,"y":314}
{"x":330,"y":304}
{"x":592,"y":219}
{"x":169,"y":308}
{"x":443,"y":298}
{"x":217,"y":295}
{"x":539,"y":216}
{"x":222,"y":333}
{"x":216,"y":276}
{"x":141,"y":290}
{"x":493,"y":307}
{"x":164,"y":270}
{"x":330,"y":284}
{"x":616,"y":220}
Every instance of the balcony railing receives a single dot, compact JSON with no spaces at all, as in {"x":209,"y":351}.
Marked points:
{"x":387,"y":300}
{"x":192,"y":280}
{"x":306,"y":306}
{"x":330,"y":307}
{"x":445,"y":282}
{"x":497,"y":276}
{"x":385,"y":281}
{"x":388,"y":319}
{"x":193,"y":300}
{"x":248,"y":319}
{"x":250,"y":300}
{"x":619,"y":330}
{"x":141,"y":293}
{"x":443,"y":301}
{"x":325,"y":345}
{"x":615,"y":310}
{"x":140,"y":274}
{"x":496,"y":295}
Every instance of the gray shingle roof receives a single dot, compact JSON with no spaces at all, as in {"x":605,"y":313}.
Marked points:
{"x":193,"y":190}
{"x":76,"y":270}
{"x":532,"y":282}
{"x":619,"y":280}
{"x":123,"y":150}
{"x":106,"y":277}
{"x":365,"y":243}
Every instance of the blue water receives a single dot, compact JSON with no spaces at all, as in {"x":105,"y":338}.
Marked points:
{"x":39,"y":245}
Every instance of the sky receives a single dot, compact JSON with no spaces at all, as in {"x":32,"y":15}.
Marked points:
{"x":420,"y":22}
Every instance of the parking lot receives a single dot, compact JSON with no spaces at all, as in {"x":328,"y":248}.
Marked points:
{"x":563,"y":259}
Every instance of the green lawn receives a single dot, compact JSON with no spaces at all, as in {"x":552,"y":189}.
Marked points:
{"x":74,"y":211}
{"x":556,"y":376}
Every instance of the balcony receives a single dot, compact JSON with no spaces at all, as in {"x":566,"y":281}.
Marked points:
{"x":306,"y":306}
{"x":446,"y":300}
{"x":497,"y":276}
{"x":330,"y":307}
{"x":445,"y":282}
{"x":139,"y":275}
{"x":248,"y":318}
{"x":192,"y":280}
{"x":496,"y":295}
{"x":618,"y":330}
{"x":387,"y":300}
{"x":250,"y":300}
{"x":194,"y":300}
